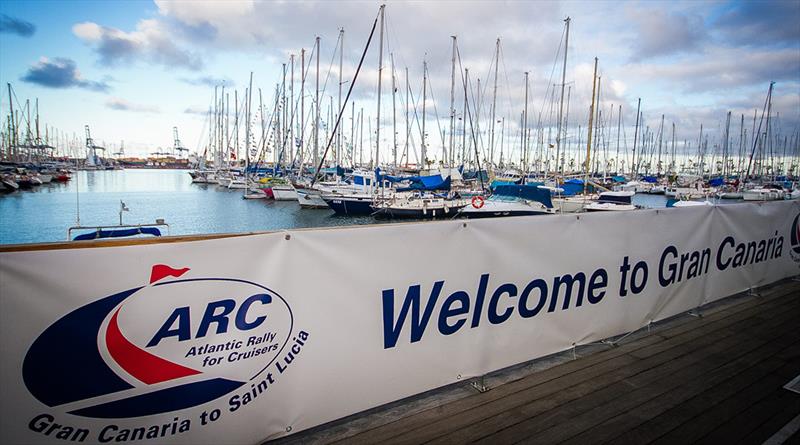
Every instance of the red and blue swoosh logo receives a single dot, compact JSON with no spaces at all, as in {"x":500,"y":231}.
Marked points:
{"x":64,"y":365}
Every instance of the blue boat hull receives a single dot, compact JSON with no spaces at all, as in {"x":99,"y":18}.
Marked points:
{"x":350,"y":206}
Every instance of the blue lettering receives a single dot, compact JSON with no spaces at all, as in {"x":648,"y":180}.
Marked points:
{"x":523,"y":298}
{"x":391,"y":329}
{"x":664,"y":280}
{"x":449,"y":311}
{"x":241,"y":314}
{"x":494,"y":317}
{"x":183,"y":332}
{"x":598,"y":281}
{"x":220,"y":319}
{"x":720,"y":264}
{"x":476,"y":316}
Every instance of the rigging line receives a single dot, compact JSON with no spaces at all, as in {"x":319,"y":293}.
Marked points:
{"x":553,"y":70}
{"x":435,"y":111}
{"x":330,"y":65}
{"x":347,"y":98}
{"x":509,"y":106}
{"x":472,"y":129}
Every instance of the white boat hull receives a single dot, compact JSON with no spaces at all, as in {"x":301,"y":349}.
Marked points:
{"x":284,"y":193}
{"x":762,"y":195}
{"x":493,"y":208}
{"x":570,"y":204}
{"x":311,"y":199}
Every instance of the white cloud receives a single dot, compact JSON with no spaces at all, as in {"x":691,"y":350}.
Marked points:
{"x":151,"y":42}
{"x":116,"y":103}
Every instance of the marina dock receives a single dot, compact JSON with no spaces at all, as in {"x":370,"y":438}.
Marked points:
{"x":716,"y":375}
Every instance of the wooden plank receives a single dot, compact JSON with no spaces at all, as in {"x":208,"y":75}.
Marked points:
{"x":648,"y":422}
{"x":415,"y":422}
{"x":651,"y":419}
{"x":563,"y":406}
{"x":713,"y":407}
{"x":572,"y":419}
{"x":760,"y":420}
{"x":637,"y":389}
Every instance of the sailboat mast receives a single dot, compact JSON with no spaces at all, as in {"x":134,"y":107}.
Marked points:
{"x":380,"y":75}
{"x":13,"y":126}
{"x":247,"y":132}
{"x":672,"y":162}
{"x":394,"y":114}
{"x":725,"y":146}
{"x":423,"y":149}
{"x":660,"y":142}
{"x":633,"y":167}
{"x":361,"y":137}
{"x":589,"y":136}
{"x":452,"y":100}
{"x":294,"y":110}
{"x":353,"y":134}
{"x":408,"y":125}
{"x":464,"y":120}
{"x":494,"y":103}
{"x":285,"y":111}
{"x":316,"y":112}
{"x":302,"y":147}
{"x":341,"y":63}
{"x":561,"y":101}
{"x":502,"y":140}
{"x":525,"y":129}
{"x":619,"y":126}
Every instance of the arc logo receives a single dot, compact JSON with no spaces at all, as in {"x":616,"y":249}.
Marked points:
{"x":794,"y":239}
{"x":173,"y":344}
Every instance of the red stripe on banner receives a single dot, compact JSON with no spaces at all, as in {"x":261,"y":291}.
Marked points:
{"x":139,"y":363}
{"x":162,"y":270}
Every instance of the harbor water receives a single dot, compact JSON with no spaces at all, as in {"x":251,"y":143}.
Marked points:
{"x":44,"y":213}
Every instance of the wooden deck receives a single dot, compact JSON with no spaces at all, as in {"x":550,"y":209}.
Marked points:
{"x":713,"y":379}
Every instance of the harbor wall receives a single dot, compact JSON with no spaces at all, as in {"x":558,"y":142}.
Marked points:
{"x":243,"y":339}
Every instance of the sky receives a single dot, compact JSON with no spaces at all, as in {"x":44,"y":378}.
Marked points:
{"x":133,"y":70}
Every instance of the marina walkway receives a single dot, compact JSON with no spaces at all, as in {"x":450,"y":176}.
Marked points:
{"x":717,"y":378}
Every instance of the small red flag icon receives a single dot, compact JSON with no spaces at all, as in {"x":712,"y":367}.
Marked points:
{"x":162,"y":270}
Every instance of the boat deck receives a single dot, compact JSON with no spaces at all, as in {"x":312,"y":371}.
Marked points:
{"x":714,"y":378}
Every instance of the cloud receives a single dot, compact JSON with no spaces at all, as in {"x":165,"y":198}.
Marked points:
{"x":209,"y":81}
{"x":60,"y":72}
{"x":16,"y":26}
{"x":762,"y":23}
{"x":661,"y":33}
{"x":116,"y":103}
{"x":724,"y":69}
{"x":196,"y":110}
{"x":151,"y":42}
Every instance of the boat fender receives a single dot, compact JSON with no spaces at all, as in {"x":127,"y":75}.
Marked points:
{"x":477,"y":201}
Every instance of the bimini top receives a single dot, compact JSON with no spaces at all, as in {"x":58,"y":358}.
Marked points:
{"x":529,"y":192}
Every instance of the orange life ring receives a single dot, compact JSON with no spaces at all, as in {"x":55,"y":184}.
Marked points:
{"x":477,"y":201}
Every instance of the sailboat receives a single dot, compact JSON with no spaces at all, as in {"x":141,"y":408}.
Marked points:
{"x":511,"y":200}
{"x":357,"y":199}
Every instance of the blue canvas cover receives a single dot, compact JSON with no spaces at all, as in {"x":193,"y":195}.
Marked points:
{"x":572,"y":187}
{"x":529,"y":192}
{"x":650,"y":179}
{"x":118,"y":233}
{"x":716,"y":182}
{"x":427,"y":183}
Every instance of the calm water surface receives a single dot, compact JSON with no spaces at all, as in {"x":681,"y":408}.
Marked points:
{"x":44,"y":213}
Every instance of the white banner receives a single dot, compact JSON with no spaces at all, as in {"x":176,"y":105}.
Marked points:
{"x":239,"y":340}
